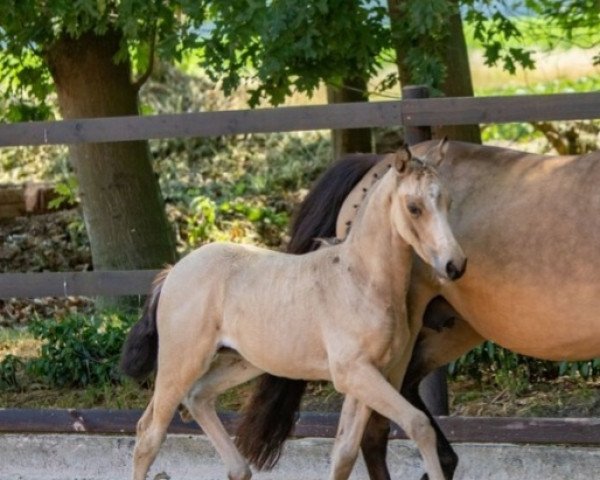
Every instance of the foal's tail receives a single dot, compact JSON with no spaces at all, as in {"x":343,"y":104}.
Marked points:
{"x":138,"y":358}
{"x":270,"y":414}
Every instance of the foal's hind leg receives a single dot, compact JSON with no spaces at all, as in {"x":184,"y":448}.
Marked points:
{"x":368,"y":385}
{"x":175,"y":376}
{"x":226,"y":372}
{"x":152,"y":428}
{"x":353,"y":420}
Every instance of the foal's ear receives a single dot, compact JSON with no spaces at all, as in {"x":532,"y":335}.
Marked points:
{"x":401,"y":158}
{"x":435,"y":155}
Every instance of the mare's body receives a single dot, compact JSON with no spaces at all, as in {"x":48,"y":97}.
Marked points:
{"x":530,"y":225}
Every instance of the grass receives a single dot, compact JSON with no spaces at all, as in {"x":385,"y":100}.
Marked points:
{"x":563,"y":397}
{"x":18,"y":342}
{"x":103,"y":396}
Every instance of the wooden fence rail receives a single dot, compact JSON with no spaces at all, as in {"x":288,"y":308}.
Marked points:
{"x":410,"y":112}
{"x":63,"y":284}
{"x":573,"y":431}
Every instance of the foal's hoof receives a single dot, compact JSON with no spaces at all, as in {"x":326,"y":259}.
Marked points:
{"x":161,"y":476}
{"x":243,"y":474}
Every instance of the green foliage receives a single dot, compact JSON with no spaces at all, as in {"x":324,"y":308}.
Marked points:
{"x":274,"y":47}
{"x":166,"y":28}
{"x":66,"y":193}
{"x":24,"y":82}
{"x":514,"y":371}
{"x":508,"y":31}
{"x":76,"y":351}
{"x":498,"y":34}
{"x":79,"y":350}
{"x":420,"y":32}
{"x":237,"y":188}
{"x":244,"y":190}
{"x":538,"y":33}
{"x":277,"y":47}
{"x":210,"y":221}
{"x":571,"y":22}
{"x":285,"y":45}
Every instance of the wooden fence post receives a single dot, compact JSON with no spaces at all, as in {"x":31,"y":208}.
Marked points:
{"x":413,"y":135}
{"x":434,"y":388}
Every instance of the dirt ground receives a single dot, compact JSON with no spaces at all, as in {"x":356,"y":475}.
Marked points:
{"x":52,"y":242}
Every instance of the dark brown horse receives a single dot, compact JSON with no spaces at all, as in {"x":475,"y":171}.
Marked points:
{"x":528,"y":224}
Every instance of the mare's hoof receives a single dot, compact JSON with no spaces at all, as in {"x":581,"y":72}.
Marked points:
{"x":426,"y":477}
{"x":184,"y":414}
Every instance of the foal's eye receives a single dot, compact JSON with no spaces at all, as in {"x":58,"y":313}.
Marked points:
{"x":414,"y":210}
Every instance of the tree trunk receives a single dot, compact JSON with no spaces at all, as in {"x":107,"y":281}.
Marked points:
{"x":457,"y":82}
{"x":122,"y":205}
{"x":356,"y":139}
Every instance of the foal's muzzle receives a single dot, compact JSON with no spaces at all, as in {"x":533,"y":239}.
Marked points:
{"x":454,"y":271}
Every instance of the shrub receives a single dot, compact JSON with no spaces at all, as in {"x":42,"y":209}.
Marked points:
{"x":10,"y":367}
{"x":76,"y":351}
{"x":511,"y":370}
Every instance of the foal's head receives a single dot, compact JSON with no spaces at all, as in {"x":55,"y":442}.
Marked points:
{"x":420,"y":214}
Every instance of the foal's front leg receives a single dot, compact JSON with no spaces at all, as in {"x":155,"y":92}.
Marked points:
{"x":367,"y":384}
{"x":432,"y":350}
{"x":353,"y":419}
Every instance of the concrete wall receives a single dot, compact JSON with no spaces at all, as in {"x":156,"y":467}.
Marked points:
{"x":70,"y":457}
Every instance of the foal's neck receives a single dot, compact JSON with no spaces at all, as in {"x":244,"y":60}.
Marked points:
{"x":376,"y":254}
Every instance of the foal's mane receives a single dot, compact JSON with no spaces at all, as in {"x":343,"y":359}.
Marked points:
{"x":414,"y":166}
{"x":329,"y":241}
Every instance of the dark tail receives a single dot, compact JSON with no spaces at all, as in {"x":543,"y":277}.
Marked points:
{"x":138,"y":358}
{"x":271,"y":412}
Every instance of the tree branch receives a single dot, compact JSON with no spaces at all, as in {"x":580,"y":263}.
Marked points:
{"x":137,"y":84}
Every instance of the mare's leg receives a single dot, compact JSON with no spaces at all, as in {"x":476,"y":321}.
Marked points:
{"x":353,"y":420}
{"x":176,"y":374}
{"x":434,"y":348}
{"x":367,"y":384}
{"x":226,"y":372}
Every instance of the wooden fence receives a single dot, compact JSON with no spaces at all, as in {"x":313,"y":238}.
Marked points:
{"x":412,"y":113}
{"x":573,"y":431}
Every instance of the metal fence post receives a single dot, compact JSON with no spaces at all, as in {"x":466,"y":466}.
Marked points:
{"x":434,"y":388}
